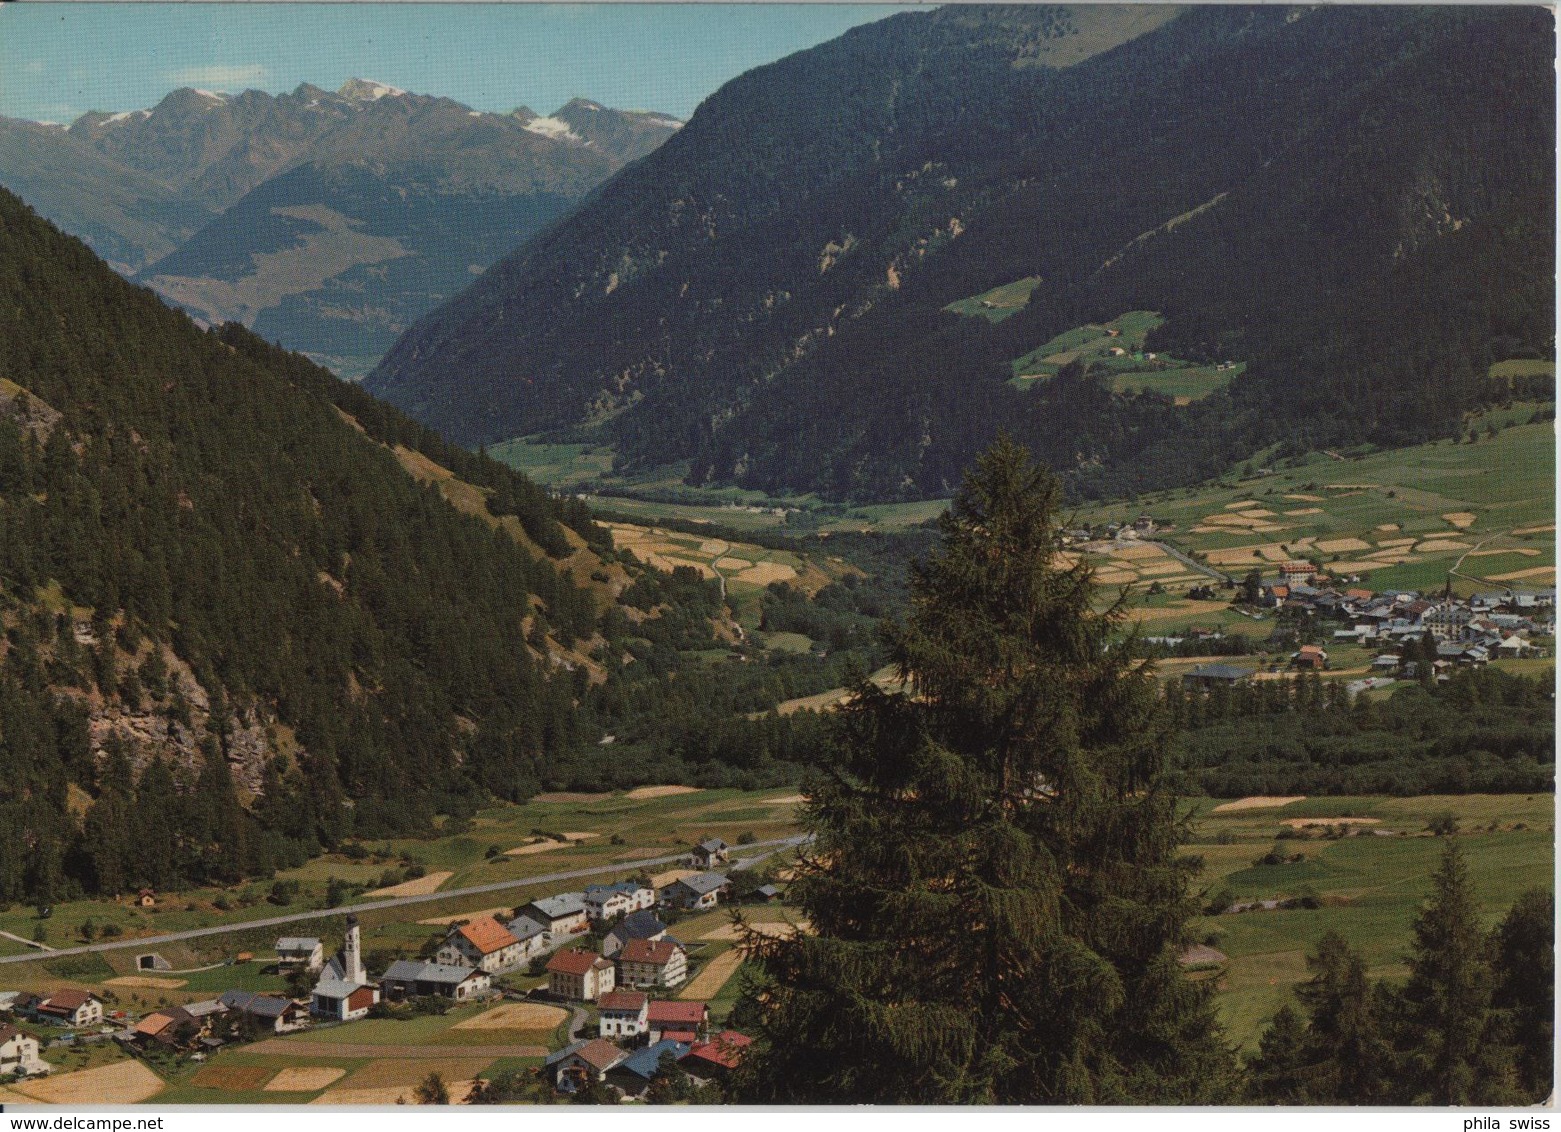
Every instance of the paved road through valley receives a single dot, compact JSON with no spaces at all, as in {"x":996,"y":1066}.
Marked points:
{"x":151,"y":941}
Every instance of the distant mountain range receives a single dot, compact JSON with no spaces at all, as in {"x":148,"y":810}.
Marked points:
{"x":1357,"y":202}
{"x":328,"y":221}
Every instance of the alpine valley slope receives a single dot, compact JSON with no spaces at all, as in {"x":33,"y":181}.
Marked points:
{"x":327,"y":221}
{"x":233,"y":627}
{"x":1354,"y":201}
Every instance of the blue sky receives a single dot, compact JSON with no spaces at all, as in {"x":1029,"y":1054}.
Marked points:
{"x":58,"y":60}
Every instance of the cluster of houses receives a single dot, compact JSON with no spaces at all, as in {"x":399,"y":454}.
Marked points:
{"x":1467,"y":631}
{"x":636,"y":958}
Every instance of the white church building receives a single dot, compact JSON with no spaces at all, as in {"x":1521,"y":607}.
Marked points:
{"x":344,"y":991}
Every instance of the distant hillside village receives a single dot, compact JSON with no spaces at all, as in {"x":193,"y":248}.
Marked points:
{"x":1419,"y":636}
{"x":628,"y":981}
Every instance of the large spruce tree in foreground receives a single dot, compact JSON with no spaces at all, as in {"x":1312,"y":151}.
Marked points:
{"x":994,"y":883}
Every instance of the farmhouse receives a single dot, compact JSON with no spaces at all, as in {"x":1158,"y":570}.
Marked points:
{"x":407,"y":978}
{"x":19,"y":1054}
{"x":1212,"y":675}
{"x":646,"y":963}
{"x":632,"y":1075}
{"x":638,"y":925}
{"x":573,"y":1065}
{"x":294,"y":953}
{"x":703,"y":890}
{"x":69,"y":1007}
{"x":624,"y":1014}
{"x":681,"y":1021}
{"x":483,"y":943}
{"x":170,"y":1026}
{"x":266,"y":1011}
{"x":1310,"y":658}
{"x":609,"y":901}
{"x":717,"y":1057}
{"x":579,"y":976}
{"x":710,"y":853}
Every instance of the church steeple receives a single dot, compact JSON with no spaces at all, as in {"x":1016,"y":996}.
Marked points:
{"x":352,"y":954}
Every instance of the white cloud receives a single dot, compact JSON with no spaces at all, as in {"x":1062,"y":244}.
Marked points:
{"x":221,"y":75}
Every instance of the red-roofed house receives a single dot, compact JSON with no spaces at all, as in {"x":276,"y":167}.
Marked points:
{"x":76,"y":1007}
{"x":679,"y":1021}
{"x":717,"y":1057}
{"x":483,"y":943}
{"x":652,"y":963}
{"x":625,"y":1013}
{"x":580,"y":976}
{"x":1311,"y":658}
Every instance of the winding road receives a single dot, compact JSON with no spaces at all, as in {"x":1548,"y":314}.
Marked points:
{"x":150,"y":941}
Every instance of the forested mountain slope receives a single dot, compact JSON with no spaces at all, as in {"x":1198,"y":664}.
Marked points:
{"x":232,"y":627}
{"x":1354,"y":201}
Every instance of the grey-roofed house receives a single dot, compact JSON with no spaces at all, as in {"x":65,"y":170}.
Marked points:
{"x":636,"y":925}
{"x":702,"y":890}
{"x":561,"y":916}
{"x":713,"y":851}
{"x":267,"y":1011}
{"x":407,"y":978}
{"x":299,"y":953}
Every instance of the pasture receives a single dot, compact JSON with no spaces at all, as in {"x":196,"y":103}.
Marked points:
{"x":1369,"y":885}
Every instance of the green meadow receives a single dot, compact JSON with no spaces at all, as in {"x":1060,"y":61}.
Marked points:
{"x":1369,"y":886}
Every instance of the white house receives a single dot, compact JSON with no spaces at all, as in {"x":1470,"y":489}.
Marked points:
{"x":643,"y":963}
{"x":624,"y":1014}
{"x":700,"y":891}
{"x":299,"y":952}
{"x":609,"y":901}
{"x":19,"y":1054}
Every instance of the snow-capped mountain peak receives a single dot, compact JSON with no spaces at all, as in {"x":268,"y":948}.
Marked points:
{"x":367,"y":90}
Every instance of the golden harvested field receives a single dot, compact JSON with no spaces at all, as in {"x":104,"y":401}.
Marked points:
{"x":641,"y":793}
{"x":232,"y":1078}
{"x":1256,"y":802}
{"x":1175,"y":609}
{"x":788,"y":800}
{"x":708,"y":983}
{"x":1460,"y":519}
{"x":304,"y":1079}
{"x":671,"y":876}
{"x":1537,"y":574}
{"x":772,"y":928}
{"x":422,"y":886}
{"x":515,"y":1016}
{"x":1341,"y":545}
{"x":146,"y":981}
{"x":1442,"y":544}
{"x":124,"y":1082}
{"x":445,"y":921}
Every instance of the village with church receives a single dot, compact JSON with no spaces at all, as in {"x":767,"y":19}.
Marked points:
{"x":624,"y":1021}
